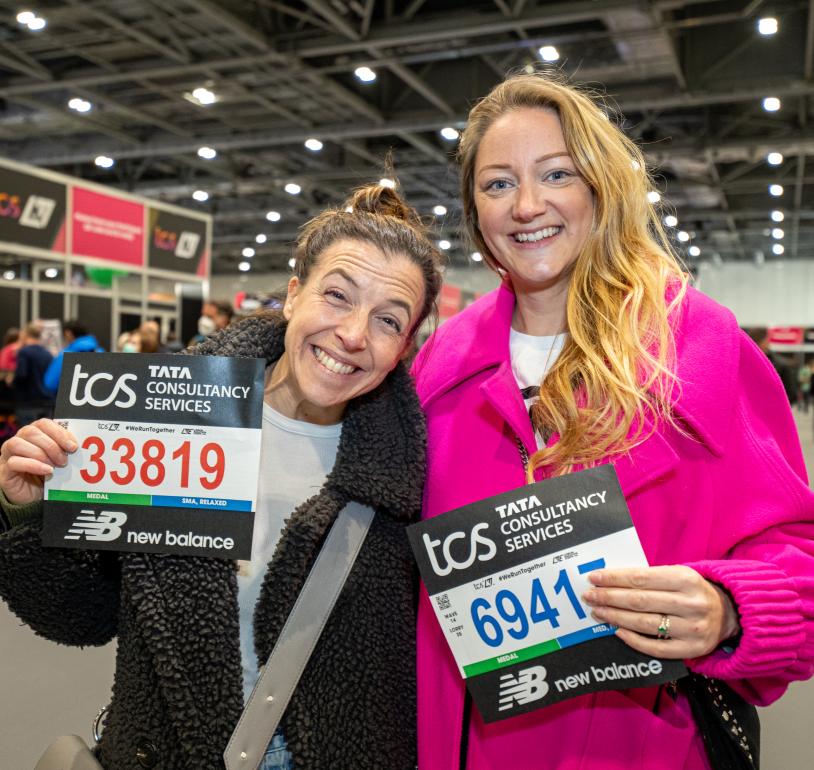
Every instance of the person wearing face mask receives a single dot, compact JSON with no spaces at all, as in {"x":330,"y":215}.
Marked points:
{"x":341,"y":423}
{"x":215,"y":315}
{"x":595,"y":350}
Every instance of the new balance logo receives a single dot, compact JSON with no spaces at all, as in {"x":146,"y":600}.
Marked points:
{"x":529,"y":685}
{"x":105,"y":527}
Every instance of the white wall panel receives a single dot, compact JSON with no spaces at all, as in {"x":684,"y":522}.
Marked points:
{"x":773,"y":294}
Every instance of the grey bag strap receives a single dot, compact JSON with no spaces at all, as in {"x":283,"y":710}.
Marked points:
{"x":302,"y":629}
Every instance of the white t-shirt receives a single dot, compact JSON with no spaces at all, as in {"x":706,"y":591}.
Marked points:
{"x":295,"y":459}
{"x":532,"y":358}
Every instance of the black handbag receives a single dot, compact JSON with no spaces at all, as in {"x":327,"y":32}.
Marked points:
{"x":729,"y":726}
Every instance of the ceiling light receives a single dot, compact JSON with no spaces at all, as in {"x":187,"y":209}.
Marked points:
{"x":670,"y":220}
{"x":771,"y":104}
{"x":449,"y":133}
{"x":244,"y":266}
{"x":387,"y":182}
{"x":653,"y":196}
{"x":476,"y":256}
{"x":9,"y":275}
{"x":777,"y":216}
{"x":292,"y":188}
{"x":365,"y":74}
{"x":207,"y":153}
{"x":248,"y":252}
{"x":694,"y":251}
{"x":774,"y":158}
{"x":549,"y":53}
{"x":292,"y":262}
{"x":204,"y":96}
{"x":80,"y":105}
{"x":313,"y":144}
{"x":103,"y":161}
{"x":683,"y":236}
{"x":35,"y":25}
{"x":260,"y":238}
{"x":273,"y":216}
{"x":444,"y":244}
{"x":767,"y":25}
{"x":200,"y":195}
{"x":776,"y":190}
{"x":778,"y":249}
{"x":51,"y":272}
{"x":777,"y":233}
{"x":26,"y":17}
{"x":439,"y":210}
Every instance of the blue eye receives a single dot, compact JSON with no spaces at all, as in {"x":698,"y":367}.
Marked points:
{"x":560,"y":175}
{"x":498,"y":184}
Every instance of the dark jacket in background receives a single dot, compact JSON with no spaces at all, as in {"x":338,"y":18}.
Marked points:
{"x":28,"y":383}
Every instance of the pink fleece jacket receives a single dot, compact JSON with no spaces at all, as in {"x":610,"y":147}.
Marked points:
{"x":730,"y":499}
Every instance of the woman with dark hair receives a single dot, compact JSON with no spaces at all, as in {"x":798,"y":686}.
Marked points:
{"x":341,"y":424}
{"x":595,"y":350}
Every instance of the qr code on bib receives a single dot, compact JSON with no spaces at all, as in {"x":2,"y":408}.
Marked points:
{"x":442,"y":600}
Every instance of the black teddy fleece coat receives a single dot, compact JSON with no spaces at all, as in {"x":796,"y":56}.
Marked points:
{"x":177,"y":692}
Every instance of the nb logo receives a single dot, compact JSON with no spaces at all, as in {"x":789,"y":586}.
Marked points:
{"x":187,"y":245}
{"x":449,"y":562}
{"x":529,"y":685}
{"x":37,"y":212}
{"x":105,"y":527}
{"x":87,"y":396}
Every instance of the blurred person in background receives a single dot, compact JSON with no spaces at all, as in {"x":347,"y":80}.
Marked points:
{"x":32,"y":399}
{"x":216,"y":314}
{"x":77,"y":340}
{"x":8,"y":353}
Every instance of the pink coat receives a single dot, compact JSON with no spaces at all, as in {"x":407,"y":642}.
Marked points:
{"x":730,"y":499}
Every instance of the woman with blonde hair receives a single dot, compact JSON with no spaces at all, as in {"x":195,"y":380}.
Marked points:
{"x":595,"y":350}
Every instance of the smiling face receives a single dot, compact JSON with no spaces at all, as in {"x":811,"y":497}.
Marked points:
{"x":534,"y":209}
{"x":348,"y":326}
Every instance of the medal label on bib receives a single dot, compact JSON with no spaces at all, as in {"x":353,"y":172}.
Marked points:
{"x":168,"y":458}
{"x":505,"y":576}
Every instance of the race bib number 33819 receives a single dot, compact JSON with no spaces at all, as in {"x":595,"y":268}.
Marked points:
{"x":168,"y":454}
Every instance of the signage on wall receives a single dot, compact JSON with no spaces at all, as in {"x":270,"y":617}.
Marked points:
{"x":786,"y":335}
{"x":176,"y":242}
{"x":32,"y":211}
{"x":107,"y":227}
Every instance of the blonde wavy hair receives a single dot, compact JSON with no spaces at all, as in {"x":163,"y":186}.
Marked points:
{"x":616,"y":373}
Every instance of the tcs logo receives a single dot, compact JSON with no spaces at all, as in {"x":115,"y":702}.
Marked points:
{"x":91,"y":390}
{"x":450,"y":563}
{"x":35,"y":214}
{"x":182,"y":246}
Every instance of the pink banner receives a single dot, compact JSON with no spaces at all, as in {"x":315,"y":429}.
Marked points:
{"x":449,"y":301}
{"x":786,"y":335}
{"x":107,"y":227}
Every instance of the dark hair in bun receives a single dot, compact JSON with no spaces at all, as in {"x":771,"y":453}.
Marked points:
{"x":378,"y":215}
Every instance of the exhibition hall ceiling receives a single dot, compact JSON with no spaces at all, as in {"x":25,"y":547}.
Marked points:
{"x":262,"y":112}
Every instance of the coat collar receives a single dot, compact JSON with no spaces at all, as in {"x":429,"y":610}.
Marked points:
{"x":707,"y":344}
{"x":381,"y":456}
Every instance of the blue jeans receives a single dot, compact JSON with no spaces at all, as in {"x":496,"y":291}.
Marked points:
{"x":277,"y":756}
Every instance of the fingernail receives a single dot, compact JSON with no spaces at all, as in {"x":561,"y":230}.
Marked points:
{"x":598,"y":614}
{"x":72,"y":446}
{"x":589,"y":596}
{"x":596,"y":577}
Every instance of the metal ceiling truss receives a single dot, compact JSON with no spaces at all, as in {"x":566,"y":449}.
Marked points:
{"x":685,"y":78}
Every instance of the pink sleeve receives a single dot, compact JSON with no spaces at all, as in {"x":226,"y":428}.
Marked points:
{"x":769,"y":565}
